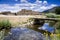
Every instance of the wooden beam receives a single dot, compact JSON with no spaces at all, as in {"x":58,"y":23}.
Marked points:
{"x":52,"y":19}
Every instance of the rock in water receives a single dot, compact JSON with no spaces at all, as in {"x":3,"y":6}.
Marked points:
{"x":24,"y":34}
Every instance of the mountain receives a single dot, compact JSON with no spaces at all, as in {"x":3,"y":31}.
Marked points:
{"x":52,"y":10}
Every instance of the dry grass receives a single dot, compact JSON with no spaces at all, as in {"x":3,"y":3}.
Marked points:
{"x":16,"y":20}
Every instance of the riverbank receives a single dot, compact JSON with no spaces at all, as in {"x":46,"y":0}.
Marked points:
{"x":19,"y":20}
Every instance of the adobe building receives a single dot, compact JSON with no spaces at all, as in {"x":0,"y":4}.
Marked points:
{"x":7,"y":13}
{"x":28,"y":12}
{"x":22,"y":12}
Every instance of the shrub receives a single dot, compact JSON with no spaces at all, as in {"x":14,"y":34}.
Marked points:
{"x":58,"y":16}
{"x":5,"y":24}
{"x":57,"y":10}
{"x":51,"y":15}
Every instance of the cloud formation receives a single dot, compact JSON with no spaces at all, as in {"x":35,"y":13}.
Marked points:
{"x":37,"y":6}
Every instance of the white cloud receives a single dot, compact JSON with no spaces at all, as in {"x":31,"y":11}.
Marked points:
{"x":38,"y":6}
{"x":45,"y":2}
{"x":24,"y":1}
{"x":38,"y":1}
{"x":16,"y":0}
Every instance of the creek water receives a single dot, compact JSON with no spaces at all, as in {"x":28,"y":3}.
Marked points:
{"x":27,"y":33}
{"x":20,"y":33}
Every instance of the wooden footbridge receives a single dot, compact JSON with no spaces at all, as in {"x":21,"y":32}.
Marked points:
{"x":37,"y":20}
{"x":41,"y":21}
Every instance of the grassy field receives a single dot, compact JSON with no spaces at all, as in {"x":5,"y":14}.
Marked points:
{"x":17,"y":20}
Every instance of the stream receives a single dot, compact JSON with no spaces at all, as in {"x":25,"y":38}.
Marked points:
{"x":21,"y":33}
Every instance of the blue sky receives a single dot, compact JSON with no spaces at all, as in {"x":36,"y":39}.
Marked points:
{"x":35,"y":5}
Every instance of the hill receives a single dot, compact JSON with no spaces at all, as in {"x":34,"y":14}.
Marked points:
{"x":52,"y":10}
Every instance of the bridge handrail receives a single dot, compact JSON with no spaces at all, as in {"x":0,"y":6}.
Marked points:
{"x":55,"y":19}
